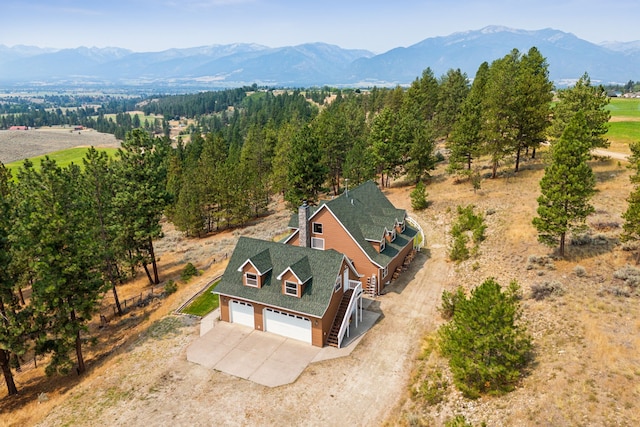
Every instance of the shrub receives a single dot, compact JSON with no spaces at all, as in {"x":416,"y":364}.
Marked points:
{"x":543,"y":290}
{"x":188,"y":272}
{"x":467,"y":223}
{"x":458,"y":421}
{"x":433,"y":389}
{"x":419,"y":197}
{"x":170,"y":287}
{"x":459,"y":250}
{"x":487,"y":347}
{"x":580,"y":271}
{"x":449,"y":302}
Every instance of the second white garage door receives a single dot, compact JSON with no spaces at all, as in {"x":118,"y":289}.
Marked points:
{"x":242,"y":313}
{"x":287,"y":325}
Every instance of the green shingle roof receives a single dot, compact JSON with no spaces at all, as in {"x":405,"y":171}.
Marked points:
{"x":262,"y":261}
{"x":321,"y":268}
{"x":366,"y":212}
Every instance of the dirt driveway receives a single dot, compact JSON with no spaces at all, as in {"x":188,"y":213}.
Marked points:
{"x":152,"y":383}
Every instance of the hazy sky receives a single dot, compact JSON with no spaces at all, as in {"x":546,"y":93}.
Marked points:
{"x":154,"y":25}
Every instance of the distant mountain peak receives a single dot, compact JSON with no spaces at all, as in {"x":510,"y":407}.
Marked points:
{"x":309,"y":64}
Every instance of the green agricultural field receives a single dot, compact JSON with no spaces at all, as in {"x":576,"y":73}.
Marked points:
{"x":63,"y":158}
{"x":624,"y":132}
{"x":624,"y":107}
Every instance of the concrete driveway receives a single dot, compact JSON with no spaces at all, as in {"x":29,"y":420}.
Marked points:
{"x":263,"y":357}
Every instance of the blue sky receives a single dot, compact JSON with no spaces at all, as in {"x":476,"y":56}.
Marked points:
{"x":155,"y":25}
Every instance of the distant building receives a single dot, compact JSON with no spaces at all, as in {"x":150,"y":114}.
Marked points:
{"x":19,"y":128}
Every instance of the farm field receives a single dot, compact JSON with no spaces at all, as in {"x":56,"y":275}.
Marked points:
{"x":63,"y":158}
{"x":20,"y":145}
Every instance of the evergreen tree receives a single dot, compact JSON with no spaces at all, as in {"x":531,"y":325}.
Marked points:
{"x":54,"y":224}
{"x":12,"y":322}
{"x":387,"y":150}
{"x":567,"y":185}
{"x":533,"y":103}
{"x":500,"y":109}
{"x":141,"y":197}
{"x":453,"y":89}
{"x":465,"y":142}
{"x":592,"y":101}
{"x":306,"y":172}
{"x":98,"y":189}
{"x":631,"y":226}
{"x":487,"y":347}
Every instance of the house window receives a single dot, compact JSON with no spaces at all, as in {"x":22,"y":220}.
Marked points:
{"x":251,"y":279}
{"x":385,"y":272}
{"x":317,"y":228}
{"x":317,"y":243}
{"x":291,"y":288}
{"x":393,"y":235}
{"x":338,"y":284}
{"x":382,"y":245}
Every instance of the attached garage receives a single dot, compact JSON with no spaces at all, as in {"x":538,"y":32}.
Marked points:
{"x":241,"y":313}
{"x":287,"y":324}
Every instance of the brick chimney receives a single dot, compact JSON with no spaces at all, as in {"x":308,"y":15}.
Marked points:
{"x":303,"y":225}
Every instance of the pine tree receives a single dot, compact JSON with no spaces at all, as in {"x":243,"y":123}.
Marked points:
{"x":98,"y":188}
{"x":54,"y":224}
{"x":465,"y":142}
{"x":631,"y":226}
{"x":533,"y":103}
{"x":567,"y":186}
{"x":306,"y":172}
{"x":141,"y":174}
{"x":592,"y":101}
{"x":12,"y":324}
{"x":487,"y":347}
{"x":500,"y":109}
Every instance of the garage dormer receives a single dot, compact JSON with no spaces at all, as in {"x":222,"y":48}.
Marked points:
{"x":254,"y":270}
{"x":295,"y":278}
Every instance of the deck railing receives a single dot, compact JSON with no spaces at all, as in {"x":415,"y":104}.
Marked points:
{"x":353,"y":304}
{"x":416,"y":245}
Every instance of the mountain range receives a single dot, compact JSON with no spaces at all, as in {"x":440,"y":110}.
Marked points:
{"x":314,"y":64}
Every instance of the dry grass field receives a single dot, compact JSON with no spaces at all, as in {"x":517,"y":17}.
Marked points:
{"x":20,"y":145}
{"x":586,"y":369}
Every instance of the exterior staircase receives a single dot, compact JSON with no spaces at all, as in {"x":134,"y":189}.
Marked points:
{"x":332,"y":339}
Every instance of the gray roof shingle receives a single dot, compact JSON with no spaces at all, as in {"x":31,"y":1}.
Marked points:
{"x":320,"y":268}
{"x":366,"y":212}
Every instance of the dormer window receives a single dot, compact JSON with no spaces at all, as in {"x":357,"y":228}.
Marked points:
{"x":382,"y":245}
{"x":393,"y":235}
{"x":251,"y":279}
{"x":291,"y":288}
{"x":317,"y":228}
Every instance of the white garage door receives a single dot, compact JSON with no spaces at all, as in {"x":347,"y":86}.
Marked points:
{"x":287,"y":325}
{"x":242,"y":313}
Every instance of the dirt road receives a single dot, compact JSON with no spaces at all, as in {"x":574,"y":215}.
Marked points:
{"x":153,"y":384}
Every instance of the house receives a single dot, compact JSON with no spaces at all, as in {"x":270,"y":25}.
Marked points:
{"x":19,"y":128}
{"x":297,"y":292}
{"x":379,"y":239}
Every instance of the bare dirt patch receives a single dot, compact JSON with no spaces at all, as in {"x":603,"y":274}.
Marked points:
{"x":20,"y":145}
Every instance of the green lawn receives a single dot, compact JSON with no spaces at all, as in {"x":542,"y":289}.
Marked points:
{"x":624,"y":107}
{"x":205,"y":303}
{"x":63,"y":158}
{"x":624,"y":132}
